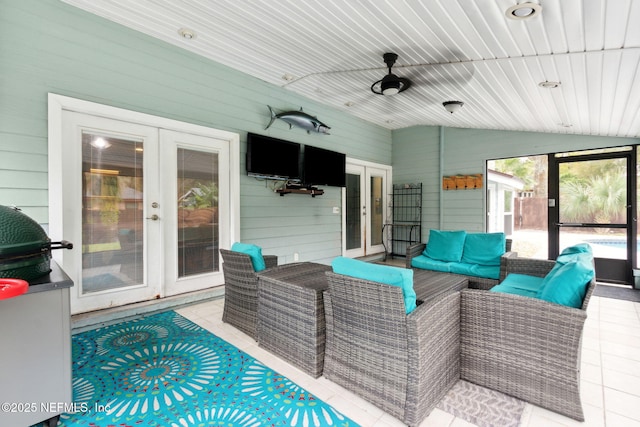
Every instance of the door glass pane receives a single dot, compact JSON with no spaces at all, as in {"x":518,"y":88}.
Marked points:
{"x":197,"y":212}
{"x":377,"y":204}
{"x":594,"y":192}
{"x":112,"y":213}
{"x":353,"y":213}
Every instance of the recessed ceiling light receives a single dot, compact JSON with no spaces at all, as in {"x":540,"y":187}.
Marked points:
{"x":186,"y":33}
{"x":549,"y":85}
{"x":524,"y":11}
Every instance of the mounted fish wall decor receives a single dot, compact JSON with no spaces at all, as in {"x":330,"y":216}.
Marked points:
{"x":299,"y":119}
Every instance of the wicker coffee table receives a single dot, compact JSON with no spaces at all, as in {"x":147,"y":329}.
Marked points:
{"x":291,"y":314}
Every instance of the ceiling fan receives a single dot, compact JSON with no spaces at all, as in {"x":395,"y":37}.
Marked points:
{"x":390,"y":84}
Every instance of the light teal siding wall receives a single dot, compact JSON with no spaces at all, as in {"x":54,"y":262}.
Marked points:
{"x":416,"y":159}
{"x":465,"y":151}
{"x":48,"y":46}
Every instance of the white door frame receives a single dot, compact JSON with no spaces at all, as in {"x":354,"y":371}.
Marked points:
{"x":367,"y":168}
{"x":58,"y":103}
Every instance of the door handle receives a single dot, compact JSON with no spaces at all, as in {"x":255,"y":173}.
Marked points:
{"x":153,"y":217}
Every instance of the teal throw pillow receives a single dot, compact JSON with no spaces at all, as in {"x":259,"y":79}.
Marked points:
{"x":394,"y":276}
{"x":567,"y":282}
{"x":445,"y":245}
{"x":484,"y":248}
{"x":254,"y":252}
{"x":580,"y":248}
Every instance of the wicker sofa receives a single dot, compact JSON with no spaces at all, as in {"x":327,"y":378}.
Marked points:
{"x":402,"y":363}
{"x":241,"y":290}
{"x":416,"y":250}
{"x":525,"y":347}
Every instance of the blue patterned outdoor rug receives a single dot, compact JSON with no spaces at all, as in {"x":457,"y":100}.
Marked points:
{"x":164,"y":370}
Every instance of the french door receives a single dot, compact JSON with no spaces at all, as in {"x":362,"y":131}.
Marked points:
{"x":364,"y":209}
{"x":591,"y":200}
{"x":147,"y":209}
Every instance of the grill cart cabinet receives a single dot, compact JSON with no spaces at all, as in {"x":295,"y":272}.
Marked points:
{"x":35,"y":354}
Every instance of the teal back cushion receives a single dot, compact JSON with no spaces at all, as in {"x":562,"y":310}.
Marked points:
{"x":567,"y":282}
{"x":445,"y":245}
{"x":484,"y":248}
{"x":571,"y":253}
{"x":395,"y":276}
{"x":254,"y":252}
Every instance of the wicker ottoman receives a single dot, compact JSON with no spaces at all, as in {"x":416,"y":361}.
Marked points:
{"x":291,"y":314}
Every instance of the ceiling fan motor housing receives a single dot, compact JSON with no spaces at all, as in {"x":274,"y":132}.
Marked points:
{"x":390,"y":84}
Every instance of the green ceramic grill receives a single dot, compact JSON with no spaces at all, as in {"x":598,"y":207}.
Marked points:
{"x":25,"y":248}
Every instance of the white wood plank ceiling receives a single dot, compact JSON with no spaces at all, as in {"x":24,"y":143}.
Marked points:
{"x":466,"y":50}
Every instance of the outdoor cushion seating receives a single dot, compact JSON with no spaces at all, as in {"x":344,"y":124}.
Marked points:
{"x":241,"y":285}
{"x":565,"y":284}
{"x":478,"y":256}
{"x":402,"y":363}
{"x":395,"y":276}
{"x":525,"y":346}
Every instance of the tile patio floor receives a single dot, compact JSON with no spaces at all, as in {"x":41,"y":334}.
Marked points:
{"x":610,"y":371}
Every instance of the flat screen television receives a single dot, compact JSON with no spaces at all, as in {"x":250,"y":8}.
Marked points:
{"x":323,"y":167}
{"x":272,"y":158}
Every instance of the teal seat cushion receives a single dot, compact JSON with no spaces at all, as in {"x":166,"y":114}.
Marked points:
{"x":445,"y":245}
{"x":254,"y":252}
{"x":484,"y":248}
{"x":426,"y":263}
{"x":519,"y":284}
{"x":395,"y":276}
{"x":567,"y":282}
{"x":475,"y":270}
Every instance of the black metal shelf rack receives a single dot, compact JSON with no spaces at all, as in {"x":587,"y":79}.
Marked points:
{"x":405,"y":227}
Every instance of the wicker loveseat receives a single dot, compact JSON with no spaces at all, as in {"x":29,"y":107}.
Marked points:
{"x":525,"y":347}
{"x":402,"y":363}
{"x":479,"y":276}
{"x":241,"y":290}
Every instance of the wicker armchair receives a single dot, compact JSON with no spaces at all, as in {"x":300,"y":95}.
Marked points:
{"x":404,"y":364}
{"x":241,"y":290}
{"x":524,"y":347}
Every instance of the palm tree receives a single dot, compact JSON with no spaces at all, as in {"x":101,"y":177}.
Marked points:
{"x":609,"y":193}
{"x":576,"y":203}
{"x":601,"y":199}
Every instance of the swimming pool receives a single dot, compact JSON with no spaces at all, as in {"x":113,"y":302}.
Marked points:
{"x":608,"y":248}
